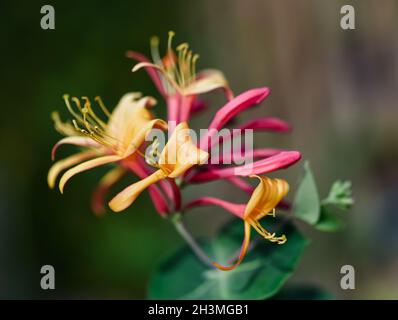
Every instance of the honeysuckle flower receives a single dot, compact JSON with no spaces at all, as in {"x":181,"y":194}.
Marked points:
{"x":266,"y":160}
{"x":179,"y":154}
{"x":116,"y":140}
{"x":121,"y":138}
{"x":263,"y":201}
{"x":175,"y":77}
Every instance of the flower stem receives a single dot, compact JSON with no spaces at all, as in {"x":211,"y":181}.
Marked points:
{"x":189,"y":239}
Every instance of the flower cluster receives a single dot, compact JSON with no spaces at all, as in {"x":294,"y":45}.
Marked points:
{"x":121,"y":138}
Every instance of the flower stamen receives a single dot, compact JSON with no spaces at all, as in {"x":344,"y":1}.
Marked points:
{"x":65,"y":128}
{"x":94,"y":127}
{"x":263,"y":214}
{"x":266,"y":234}
{"x":179,"y":70}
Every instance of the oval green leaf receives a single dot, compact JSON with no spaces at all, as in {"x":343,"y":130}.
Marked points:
{"x":306,"y":204}
{"x":266,"y":268}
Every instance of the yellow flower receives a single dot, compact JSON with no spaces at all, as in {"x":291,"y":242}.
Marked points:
{"x":263,"y":201}
{"x":179,"y":154}
{"x":105,"y":142}
{"x":178,"y":70}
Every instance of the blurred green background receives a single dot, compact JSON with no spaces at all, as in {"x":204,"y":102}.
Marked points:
{"x":338,"y":88}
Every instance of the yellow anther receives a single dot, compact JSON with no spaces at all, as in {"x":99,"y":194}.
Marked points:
{"x":68,"y":105}
{"x":87,"y":109}
{"x":195,"y":58}
{"x":182,"y":47}
{"x":77,"y":102}
{"x":154,"y":41}
{"x":170,"y":40}
{"x":266,"y":234}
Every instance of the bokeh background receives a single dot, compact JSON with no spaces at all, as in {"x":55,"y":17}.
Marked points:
{"x":338,"y":88}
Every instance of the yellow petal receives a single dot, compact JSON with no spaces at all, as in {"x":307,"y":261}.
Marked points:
{"x":77,"y":141}
{"x":243,"y":250}
{"x":131,"y":121}
{"x":126,"y":197}
{"x":265,"y":197}
{"x":210,"y":80}
{"x":140,"y":132}
{"x":66,"y":163}
{"x":141,"y":65}
{"x":130,"y":106}
{"x":180,"y":153}
{"x":86,"y":166}
{"x":188,"y":155}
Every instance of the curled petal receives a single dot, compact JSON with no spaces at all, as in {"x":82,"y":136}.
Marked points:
{"x":248,"y":188}
{"x":141,"y":65}
{"x":265,"y":197}
{"x":130,"y":123}
{"x":237,"y":105}
{"x":126,"y":197}
{"x":85,"y":166}
{"x":141,"y":131}
{"x":243,"y":250}
{"x":188,"y":156}
{"x":107,"y":181}
{"x":181,"y":153}
{"x":231,"y":109}
{"x":75,"y":140}
{"x":279,"y":161}
{"x":155,"y":67}
{"x":234,"y":208}
{"x":130,"y":105}
{"x":208,"y":80}
{"x":66,"y":163}
{"x":153,"y":73}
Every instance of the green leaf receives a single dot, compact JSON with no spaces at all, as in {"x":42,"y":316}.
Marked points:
{"x":302,"y":292}
{"x":329,"y":222}
{"x":339,"y":200}
{"x":340,"y":195}
{"x":306,"y":204}
{"x":265,"y":269}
